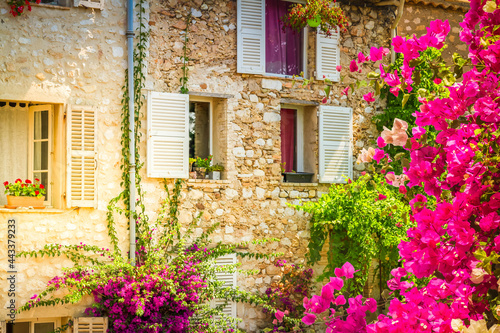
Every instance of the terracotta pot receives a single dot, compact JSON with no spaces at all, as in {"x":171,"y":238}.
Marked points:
{"x":22,"y":201}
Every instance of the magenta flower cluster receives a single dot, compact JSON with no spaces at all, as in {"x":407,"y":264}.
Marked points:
{"x":456,"y":241}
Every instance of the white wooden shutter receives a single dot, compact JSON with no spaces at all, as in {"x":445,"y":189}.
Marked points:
{"x":82,"y":164}
{"x":335,"y":144}
{"x":90,"y":325}
{"x":168,"y":135}
{"x":251,"y":57}
{"x":229,"y":281}
{"x":327,"y":56}
{"x":99,"y":4}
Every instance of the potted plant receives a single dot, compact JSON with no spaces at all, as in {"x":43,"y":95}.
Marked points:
{"x":25,"y":194}
{"x":214,"y":171}
{"x":316,"y":13}
{"x":202,"y":164}
{"x":192,"y":173}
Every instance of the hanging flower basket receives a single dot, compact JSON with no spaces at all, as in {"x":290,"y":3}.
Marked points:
{"x":314,"y":22}
{"x":316,"y":13}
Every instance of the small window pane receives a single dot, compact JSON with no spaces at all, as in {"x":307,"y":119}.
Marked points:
{"x":18,"y":328}
{"x":41,"y":155}
{"x":44,"y":327}
{"x":41,"y":124}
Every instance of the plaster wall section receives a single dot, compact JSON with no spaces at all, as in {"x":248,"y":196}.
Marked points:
{"x":67,"y":56}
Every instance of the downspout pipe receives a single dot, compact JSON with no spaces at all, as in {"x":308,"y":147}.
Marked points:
{"x":131,"y":110}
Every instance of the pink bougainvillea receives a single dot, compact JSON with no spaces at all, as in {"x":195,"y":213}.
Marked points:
{"x":454,"y":244}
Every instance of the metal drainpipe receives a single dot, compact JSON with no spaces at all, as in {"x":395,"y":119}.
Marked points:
{"x":130,"y":54}
{"x":394,"y":26}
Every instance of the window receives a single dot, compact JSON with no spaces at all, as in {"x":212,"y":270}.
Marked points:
{"x":182,"y":126}
{"x":302,"y":135}
{"x":38,"y":326}
{"x":263,"y":47}
{"x":284,"y":48}
{"x":298,"y":138}
{"x":33,"y":142}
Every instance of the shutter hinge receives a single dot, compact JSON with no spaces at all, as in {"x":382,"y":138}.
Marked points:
{"x":314,"y":73}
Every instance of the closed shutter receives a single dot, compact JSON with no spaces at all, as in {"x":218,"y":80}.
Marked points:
{"x":335,"y":144}
{"x":251,"y":37}
{"x":327,"y":56}
{"x":91,"y":325}
{"x":99,"y":4}
{"x":168,"y":135}
{"x":229,"y":281}
{"x":82,"y":164}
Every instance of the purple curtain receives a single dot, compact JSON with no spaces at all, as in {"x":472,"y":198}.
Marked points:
{"x":283,"y":48}
{"x":288,"y":138}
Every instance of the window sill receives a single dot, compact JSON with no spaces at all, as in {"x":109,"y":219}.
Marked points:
{"x":33,"y":211}
{"x":208,"y":185}
{"x":311,"y":185}
{"x":50,"y":6}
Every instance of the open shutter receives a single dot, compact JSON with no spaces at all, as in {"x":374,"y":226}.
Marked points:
{"x":335,"y":144}
{"x":99,"y":4}
{"x":91,"y":325}
{"x":82,"y":164}
{"x":251,"y":37}
{"x":168,"y":135}
{"x":327,"y":56}
{"x":229,"y":281}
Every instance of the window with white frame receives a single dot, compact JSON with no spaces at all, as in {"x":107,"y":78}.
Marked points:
{"x":265,"y":48}
{"x":181,"y":126}
{"x":301,"y":132}
{"x":42,"y":141}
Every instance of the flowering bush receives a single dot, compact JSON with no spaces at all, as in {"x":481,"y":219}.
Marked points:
{"x":455,"y":244}
{"x":287,"y":294}
{"x":330,"y":17}
{"x":362,"y":220}
{"x":168,"y":289}
{"x":17,"y":7}
{"x":26,"y":188}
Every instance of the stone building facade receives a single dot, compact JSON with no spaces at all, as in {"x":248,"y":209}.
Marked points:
{"x":72,"y":60}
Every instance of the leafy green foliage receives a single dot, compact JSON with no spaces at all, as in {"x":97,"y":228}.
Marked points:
{"x":360,"y":221}
{"x":185,"y":59}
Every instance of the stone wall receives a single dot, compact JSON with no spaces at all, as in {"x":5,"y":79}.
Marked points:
{"x":253,"y":202}
{"x":64,"y":56}
{"x":418,"y":14}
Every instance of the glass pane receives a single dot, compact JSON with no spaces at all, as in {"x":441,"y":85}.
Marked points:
{"x":41,"y":155}
{"x":44,"y":180}
{"x":41,"y":125}
{"x":44,"y":327}
{"x":19,"y":328}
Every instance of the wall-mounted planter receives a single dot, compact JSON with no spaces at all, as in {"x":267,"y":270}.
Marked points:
{"x":298,"y":177}
{"x":23,"y":201}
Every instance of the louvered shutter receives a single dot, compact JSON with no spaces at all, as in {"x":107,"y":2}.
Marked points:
{"x":327,"y":56}
{"x":91,"y":325}
{"x":99,"y":4}
{"x":335,"y":144}
{"x":251,"y":37}
{"x":82,"y":164}
{"x":168,"y":135}
{"x":229,"y":281}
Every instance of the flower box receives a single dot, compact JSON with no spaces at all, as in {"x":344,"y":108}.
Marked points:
{"x":24,"y":201}
{"x":298,"y":177}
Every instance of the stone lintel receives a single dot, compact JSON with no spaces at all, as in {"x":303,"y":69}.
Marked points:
{"x":208,"y":94}
{"x":298,"y":102}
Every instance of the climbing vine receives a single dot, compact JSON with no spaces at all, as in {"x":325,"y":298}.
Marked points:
{"x":185,"y":59}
